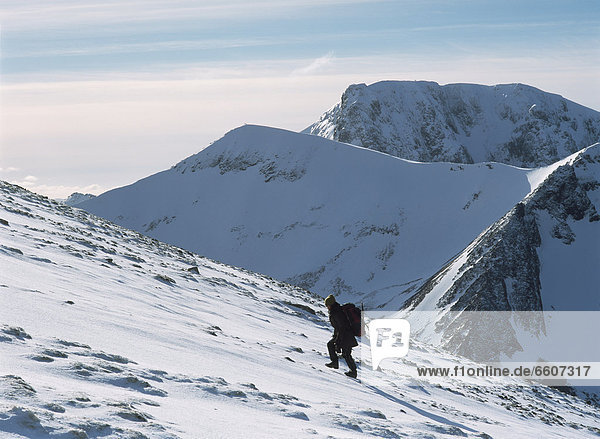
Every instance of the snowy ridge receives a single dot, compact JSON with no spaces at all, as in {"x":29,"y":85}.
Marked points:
{"x":568,"y":198}
{"x":465,"y":123}
{"x":542,"y":255}
{"x":77,"y":197}
{"x":323,"y":215}
{"x":107,"y":333}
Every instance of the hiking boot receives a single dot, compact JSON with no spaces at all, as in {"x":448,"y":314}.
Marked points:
{"x":351,"y":374}
{"x":333,"y":365}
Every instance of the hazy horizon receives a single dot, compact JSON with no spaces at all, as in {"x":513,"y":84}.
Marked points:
{"x":97,"y":95}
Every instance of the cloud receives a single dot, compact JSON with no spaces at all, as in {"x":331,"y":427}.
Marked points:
{"x":113,"y":129}
{"x":143,"y":47}
{"x":26,"y":182}
{"x":315,"y":66}
{"x":9,"y":169}
{"x":65,"y":13}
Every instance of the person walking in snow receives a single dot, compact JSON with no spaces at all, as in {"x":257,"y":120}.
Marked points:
{"x":343,"y":339}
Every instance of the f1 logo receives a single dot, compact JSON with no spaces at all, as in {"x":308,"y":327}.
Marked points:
{"x":388,"y":339}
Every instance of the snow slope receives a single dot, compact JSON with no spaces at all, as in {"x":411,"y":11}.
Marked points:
{"x":107,"y":333}
{"x":466,"y":123}
{"x":327,"y":216}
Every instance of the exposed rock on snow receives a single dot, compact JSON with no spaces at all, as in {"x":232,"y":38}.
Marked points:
{"x":511,"y":123}
{"x":77,"y":197}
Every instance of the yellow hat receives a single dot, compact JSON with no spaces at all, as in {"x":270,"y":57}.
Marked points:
{"x":330,"y":300}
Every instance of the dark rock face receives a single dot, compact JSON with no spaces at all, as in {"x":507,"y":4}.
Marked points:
{"x":563,"y":196}
{"x":463,"y":123}
{"x":501,"y":271}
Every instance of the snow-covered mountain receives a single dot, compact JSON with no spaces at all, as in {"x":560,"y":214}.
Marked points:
{"x":108,"y":333}
{"x":543,"y":254}
{"x":77,"y":197}
{"x":465,"y":123}
{"x":326,"y":216}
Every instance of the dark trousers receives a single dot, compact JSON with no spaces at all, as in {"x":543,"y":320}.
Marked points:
{"x":346,"y":355}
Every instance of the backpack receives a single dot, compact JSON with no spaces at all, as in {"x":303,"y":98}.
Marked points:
{"x":353,"y":314}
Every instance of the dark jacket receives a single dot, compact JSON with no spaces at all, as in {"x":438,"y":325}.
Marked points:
{"x":342,"y":330}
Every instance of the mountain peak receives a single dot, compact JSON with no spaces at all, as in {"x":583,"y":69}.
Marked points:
{"x":327,"y":216}
{"x":77,"y":197}
{"x":516,"y":124}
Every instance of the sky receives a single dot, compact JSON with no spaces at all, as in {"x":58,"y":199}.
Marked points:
{"x":96,"y":95}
